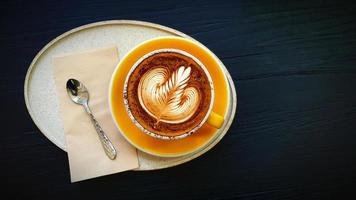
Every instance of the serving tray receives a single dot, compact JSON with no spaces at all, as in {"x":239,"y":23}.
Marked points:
{"x":39,"y":90}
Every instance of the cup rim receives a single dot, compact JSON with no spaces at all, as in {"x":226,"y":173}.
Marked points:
{"x":127,"y":106}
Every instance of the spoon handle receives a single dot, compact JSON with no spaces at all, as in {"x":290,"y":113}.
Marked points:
{"x":105,"y":141}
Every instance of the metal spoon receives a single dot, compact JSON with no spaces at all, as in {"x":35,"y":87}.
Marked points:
{"x":80,"y":95}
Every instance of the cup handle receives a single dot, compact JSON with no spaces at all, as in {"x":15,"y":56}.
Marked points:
{"x":215,"y":120}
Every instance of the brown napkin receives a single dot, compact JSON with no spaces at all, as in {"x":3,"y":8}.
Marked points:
{"x":87,"y":158}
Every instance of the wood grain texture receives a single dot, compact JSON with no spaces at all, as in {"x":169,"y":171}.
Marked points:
{"x":294,"y":65}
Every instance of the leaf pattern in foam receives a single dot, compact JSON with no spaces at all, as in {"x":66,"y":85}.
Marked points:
{"x":166,"y":97}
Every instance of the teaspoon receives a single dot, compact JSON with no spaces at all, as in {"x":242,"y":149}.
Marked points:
{"x":80,"y":95}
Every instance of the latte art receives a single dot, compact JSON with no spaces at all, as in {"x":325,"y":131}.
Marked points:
{"x":166,"y":96}
{"x":168,"y":93}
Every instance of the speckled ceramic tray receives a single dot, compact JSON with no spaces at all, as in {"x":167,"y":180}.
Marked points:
{"x":39,"y":82}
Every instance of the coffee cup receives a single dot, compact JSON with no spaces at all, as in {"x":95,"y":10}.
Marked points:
{"x":155,"y":71}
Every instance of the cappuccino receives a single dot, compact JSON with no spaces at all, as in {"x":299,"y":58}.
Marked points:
{"x":168,"y":93}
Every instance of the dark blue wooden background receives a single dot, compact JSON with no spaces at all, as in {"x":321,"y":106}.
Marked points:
{"x":294,"y":65}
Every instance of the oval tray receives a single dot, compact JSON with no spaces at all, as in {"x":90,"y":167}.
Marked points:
{"x":126,"y":34}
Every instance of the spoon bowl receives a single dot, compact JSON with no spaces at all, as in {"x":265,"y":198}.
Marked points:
{"x":77,"y":92}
